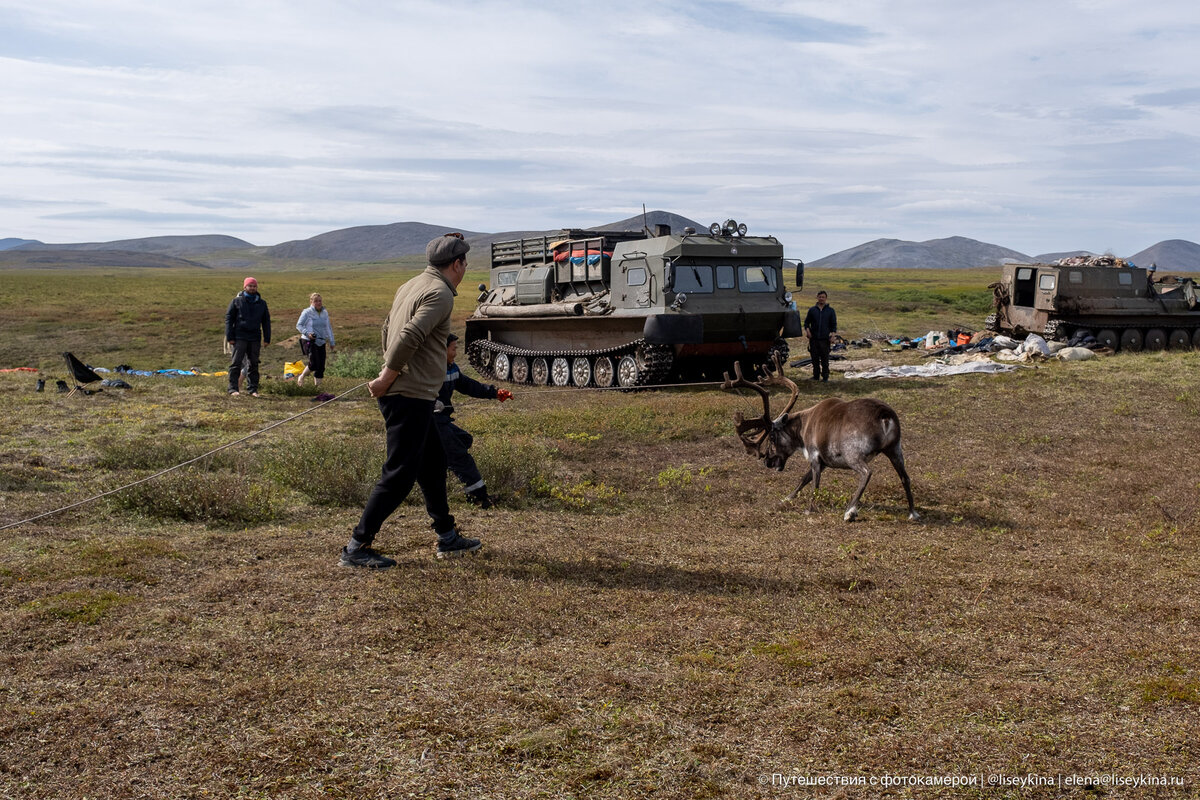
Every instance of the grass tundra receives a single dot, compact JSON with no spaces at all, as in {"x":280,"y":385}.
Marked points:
{"x":645,"y":618}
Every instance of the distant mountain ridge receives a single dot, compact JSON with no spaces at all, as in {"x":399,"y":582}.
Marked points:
{"x":178,"y":246}
{"x":374,"y":243}
{"x":955,"y":252}
{"x":1169,"y":254}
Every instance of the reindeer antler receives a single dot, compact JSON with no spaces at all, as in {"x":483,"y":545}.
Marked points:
{"x":742,"y":382}
{"x":782,"y":380}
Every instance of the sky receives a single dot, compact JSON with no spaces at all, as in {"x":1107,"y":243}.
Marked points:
{"x":1041,"y":126}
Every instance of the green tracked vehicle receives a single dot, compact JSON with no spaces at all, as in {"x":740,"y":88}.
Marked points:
{"x":631,"y":308}
{"x":1123,"y":306}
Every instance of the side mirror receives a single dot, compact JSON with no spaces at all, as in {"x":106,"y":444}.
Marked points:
{"x":483,"y":287}
{"x":799,"y":274}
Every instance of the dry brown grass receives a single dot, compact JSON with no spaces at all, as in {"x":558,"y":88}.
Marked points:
{"x":678,"y":641}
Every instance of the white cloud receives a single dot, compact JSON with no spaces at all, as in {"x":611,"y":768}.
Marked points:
{"x":1044,"y":126}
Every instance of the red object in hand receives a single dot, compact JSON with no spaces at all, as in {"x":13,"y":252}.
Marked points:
{"x":503,"y":394}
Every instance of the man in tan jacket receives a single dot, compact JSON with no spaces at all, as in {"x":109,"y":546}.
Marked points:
{"x":414,"y":352}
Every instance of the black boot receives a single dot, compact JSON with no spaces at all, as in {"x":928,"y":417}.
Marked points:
{"x":479,"y":497}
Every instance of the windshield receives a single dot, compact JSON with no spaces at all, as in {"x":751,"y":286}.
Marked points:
{"x":757,"y":279}
{"x":693,"y":278}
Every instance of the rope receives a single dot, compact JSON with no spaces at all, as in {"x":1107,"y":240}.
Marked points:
{"x":184,"y":464}
{"x":309,"y":411}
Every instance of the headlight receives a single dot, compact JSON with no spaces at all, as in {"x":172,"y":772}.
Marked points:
{"x":715,"y":229}
{"x":787,"y":297}
{"x":741,"y":229}
{"x":681,"y":298}
{"x":731,"y":227}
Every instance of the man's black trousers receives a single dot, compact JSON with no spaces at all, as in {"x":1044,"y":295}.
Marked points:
{"x":414,"y":455}
{"x":249,"y":351}
{"x":819,"y":350}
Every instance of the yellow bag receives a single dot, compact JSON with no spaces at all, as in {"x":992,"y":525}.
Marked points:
{"x":292,"y":368}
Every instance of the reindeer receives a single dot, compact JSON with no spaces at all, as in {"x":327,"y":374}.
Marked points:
{"x":833,"y":433}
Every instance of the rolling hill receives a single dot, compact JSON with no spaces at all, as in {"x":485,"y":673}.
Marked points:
{"x":18,"y":258}
{"x":1177,"y":254}
{"x":954,"y":252}
{"x":373,"y":243}
{"x":177,"y":246}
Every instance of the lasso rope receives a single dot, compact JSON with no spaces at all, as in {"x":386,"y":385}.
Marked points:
{"x":180,"y":466}
{"x":548,"y":390}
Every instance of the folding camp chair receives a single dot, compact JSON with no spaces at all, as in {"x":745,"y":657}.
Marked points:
{"x":82,"y":374}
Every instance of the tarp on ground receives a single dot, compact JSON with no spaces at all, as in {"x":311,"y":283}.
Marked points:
{"x":935,"y":370}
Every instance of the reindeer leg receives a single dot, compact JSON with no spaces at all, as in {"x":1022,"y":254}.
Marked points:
{"x":896,"y":456}
{"x":808,"y":476}
{"x":815,"y":469}
{"x":864,"y":474}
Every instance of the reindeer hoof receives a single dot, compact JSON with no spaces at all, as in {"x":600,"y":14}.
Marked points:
{"x":850,"y":515}
{"x":914,"y":517}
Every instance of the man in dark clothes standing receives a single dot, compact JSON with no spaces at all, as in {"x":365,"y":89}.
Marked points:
{"x":819,"y":325}
{"x":247,"y":329}
{"x":414,"y":354}
{"x":456,"y":441}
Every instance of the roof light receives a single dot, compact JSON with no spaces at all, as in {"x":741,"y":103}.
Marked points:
{"x":715,"y":229}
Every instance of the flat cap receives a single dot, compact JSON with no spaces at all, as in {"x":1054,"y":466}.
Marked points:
{"x":445,"y":249}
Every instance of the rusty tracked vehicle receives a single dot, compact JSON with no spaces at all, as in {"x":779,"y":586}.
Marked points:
{"x":631,"y":308}
{"x":1123,"y":306}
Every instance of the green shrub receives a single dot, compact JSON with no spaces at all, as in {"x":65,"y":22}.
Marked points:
{"x":152,"y":453}
{"x":354,"y":364}
{"x":329,"y":471}
{"x":509,"y":465}
{"x":221,"y":497}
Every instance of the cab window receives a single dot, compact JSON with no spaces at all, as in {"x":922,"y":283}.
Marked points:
{"x":636,"y":276}
{"x":693,"y":278}
{"x":1046,"y":282}
{"x":506,"y":278}
{"x":1075,"y":276}
{"x":726,"y":277}
{"x":756,"y":279}
{"x":1125,"y":278}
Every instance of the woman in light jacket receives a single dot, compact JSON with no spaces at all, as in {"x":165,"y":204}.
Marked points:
{"x":314,"y":325}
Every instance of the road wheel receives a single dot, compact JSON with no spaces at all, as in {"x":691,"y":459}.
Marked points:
{"x":581,"y":371}
{"x":520,"y":369}
{"x":1196,"y":339}
{"x":602,"y":372}
{"x":540,"y":372}
{"x":560,"y":372}
{"x":1108,"y":338}
{"x":1131,"y":340}
{"x":627,"y":372}
{"x":1156,"y":339}
{"x":500,"y":366}
{"x":1179,"y":340}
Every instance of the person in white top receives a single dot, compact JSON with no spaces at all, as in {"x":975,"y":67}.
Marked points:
{"x":315,"y":327}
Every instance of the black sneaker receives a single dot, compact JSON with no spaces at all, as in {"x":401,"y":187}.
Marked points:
{"x":365,"y":557}
{"x":458,"y":546}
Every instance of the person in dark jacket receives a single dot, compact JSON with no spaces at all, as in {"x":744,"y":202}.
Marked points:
{"x":455,"y":441}
{"x":819,"y":325}
{"x":247,"y":329}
